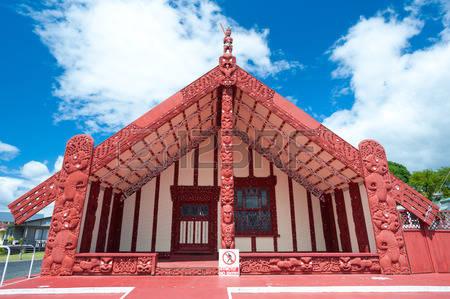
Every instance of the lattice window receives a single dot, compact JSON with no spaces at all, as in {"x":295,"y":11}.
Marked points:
{"x":409,"y":220}
{"x":442,"y":222}
{"x":253,"y":213}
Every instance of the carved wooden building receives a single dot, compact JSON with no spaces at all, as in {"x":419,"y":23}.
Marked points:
{"x":226,"y":162}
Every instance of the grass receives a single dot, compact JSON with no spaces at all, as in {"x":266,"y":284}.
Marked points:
{"x":25,"y":257}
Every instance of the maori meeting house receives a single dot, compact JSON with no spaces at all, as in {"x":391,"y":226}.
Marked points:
{"x":227,"y":162}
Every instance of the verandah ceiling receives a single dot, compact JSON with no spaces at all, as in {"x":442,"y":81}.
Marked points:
{"x":291,"y":150}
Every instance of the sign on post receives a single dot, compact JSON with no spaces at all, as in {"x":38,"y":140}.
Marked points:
{"x":228,"y":262}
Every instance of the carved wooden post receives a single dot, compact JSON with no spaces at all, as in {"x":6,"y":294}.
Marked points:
{"x":227,"y":64}
{"x":383,"y":209}
{"x":66,"y":219}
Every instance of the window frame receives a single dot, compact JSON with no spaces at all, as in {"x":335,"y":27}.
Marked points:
{"x":267,"y":183}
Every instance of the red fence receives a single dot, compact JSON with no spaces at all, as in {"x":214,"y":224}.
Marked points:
{"x":428,"y":247}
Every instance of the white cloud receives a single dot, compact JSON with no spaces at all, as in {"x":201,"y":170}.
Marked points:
{"x":120,"y":58}
{"x":35,"y":170}
{"x":8,"y":151}
{"x":30,"y":175}
{"x":58,"y":163}
{"x":402,"y":95}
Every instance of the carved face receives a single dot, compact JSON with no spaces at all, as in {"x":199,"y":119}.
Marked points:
{"x":227,"y":214}
{"x":73,"y":185}
{"x":376,"y":184}
{"x":375,"y":164}
{"x":306,"y":263}
{"x":106,"y":264}
{"x":344,"y":264}
{"x":76,"y":161}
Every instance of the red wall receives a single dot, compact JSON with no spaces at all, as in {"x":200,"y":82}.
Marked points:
{"x":428,"y":251}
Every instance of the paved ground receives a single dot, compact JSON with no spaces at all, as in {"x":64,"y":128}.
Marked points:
{"x":246,"y":287}
{"x":20,"y":269}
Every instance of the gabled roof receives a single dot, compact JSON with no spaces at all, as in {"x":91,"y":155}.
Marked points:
{"x":308,"y":152}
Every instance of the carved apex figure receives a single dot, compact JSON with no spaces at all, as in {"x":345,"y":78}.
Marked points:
{"x":227,"y":62}
{"x":383,"y":209}
{"x":65,"y":226}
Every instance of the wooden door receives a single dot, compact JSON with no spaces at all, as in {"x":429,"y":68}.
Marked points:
{"x":194,"y":226}
{"x":194,"y":219}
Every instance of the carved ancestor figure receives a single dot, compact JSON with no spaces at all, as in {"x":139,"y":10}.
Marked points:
{"x":383,"y":208}
{"x":227,"y":227}
{"x":65,"y":226}
{"x":58,"y":246}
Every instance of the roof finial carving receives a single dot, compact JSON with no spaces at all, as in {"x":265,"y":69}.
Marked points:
{"x":227,"y":62}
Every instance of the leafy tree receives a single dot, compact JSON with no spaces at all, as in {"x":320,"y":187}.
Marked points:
{"x":399,"y":171}
{"x":428,"y":182}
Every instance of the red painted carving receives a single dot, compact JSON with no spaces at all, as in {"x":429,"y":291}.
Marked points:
{"x":65,"y":226}
{"x":34,"y":200}
{"x":226,"y":155}
{"x":115,"y":264}
{"x":254,"y":88}
{"x":300,"y":263}
{"x":383,"y":208}
{"x":202,"y":86}
{"x":338,"y":147}
{"x":227,"y":62}
{"x":413,"y":201}
{"x":227,"y":65}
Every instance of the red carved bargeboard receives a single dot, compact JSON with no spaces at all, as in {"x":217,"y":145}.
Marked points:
{"x":413,"y":201}
{"x":115,"y":264}
{"x":70,"y":194}
{"x":308,"y":263}
{"x":383,"y":209}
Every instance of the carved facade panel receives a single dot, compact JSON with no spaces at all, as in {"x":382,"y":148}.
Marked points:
{"x":71,"y":192}
{"x":383,"y":208}
{"x":115,"y":264}
{"x":306,"y":264}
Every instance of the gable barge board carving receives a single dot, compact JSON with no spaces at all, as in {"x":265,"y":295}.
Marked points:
{"x":39,"y":197}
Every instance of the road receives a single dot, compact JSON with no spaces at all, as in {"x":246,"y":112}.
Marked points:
{"x":20,"y":269}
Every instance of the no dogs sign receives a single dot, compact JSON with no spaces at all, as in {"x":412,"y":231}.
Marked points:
{"x":228,"y":262}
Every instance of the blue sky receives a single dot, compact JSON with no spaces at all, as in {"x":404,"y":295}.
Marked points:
{"x":367,"y":69}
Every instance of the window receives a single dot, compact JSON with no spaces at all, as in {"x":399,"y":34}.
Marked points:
{"x":254,"y":214}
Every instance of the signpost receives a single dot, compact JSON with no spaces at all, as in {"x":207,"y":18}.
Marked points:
{"x":228,"y":262}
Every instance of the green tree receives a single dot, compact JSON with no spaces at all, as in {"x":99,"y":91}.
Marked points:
{"x":399,"y":171}
{"x":429,"y":182}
